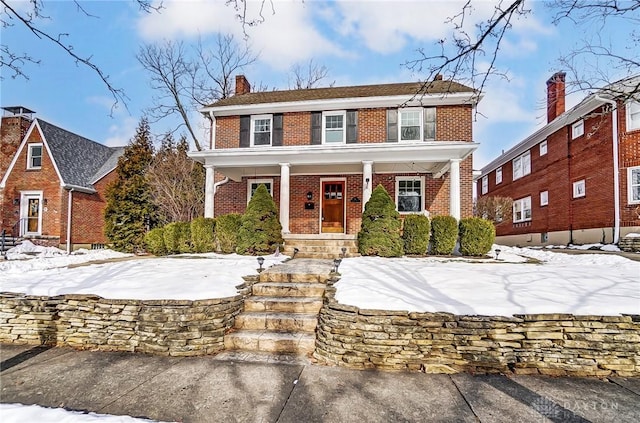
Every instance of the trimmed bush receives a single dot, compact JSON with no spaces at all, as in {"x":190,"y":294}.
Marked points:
{"x":154,"y":242}
{"x":476,"y":236}
{"x":227,"y":227}
{"x":203,"y":237}
{"x":260,"y":230}
{"x":177,"y":237}
{"x":380,"y":231}
{"x":416,"y":233}
{"x":444,"y":234}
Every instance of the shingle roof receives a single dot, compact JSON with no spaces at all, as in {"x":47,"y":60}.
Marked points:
{"x":79,"y":159}
{"x":380,"y":90}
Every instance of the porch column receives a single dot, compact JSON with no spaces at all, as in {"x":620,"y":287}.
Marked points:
{"x":208,"y":190}
{"x":284,"y":196}
{"x":454,"y":188}
{"x":367,"y":181}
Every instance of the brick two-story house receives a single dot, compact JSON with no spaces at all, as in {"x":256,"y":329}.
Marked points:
{"x":577,"y":179}
{"x":320,"y":152}
{"x":54,"y":180}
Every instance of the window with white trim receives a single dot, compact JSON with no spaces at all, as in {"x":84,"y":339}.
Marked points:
{"x":522,"y":166}
{"x":633,"y":184}
{"x":410,"y":124}
{"x":522,"y":210}
{"x":543,"y":148}
{"x":544,"y":198}
{"x":410,"y":194}
{"x":577,"y":129}
{"x":34,"y":156}
{"x":261,"y":129}
{"x":429,"y":123}
{"x":333,"y":124}
{"x":633,"y":115}
{"x":579,"y":189}
{"x":485,"y":184}
{"x":499,"y":175}
{"x":253,"y":184}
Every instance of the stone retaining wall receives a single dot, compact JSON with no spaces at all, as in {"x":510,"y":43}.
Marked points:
{"x":550,"y":344}
{"x":167,"y":327}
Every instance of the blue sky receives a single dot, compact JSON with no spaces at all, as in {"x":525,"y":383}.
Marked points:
{"x":360,"y":42}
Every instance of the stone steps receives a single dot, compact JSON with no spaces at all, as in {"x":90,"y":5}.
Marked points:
{"x":288,"y":289}
{"x":284,"y":304}
{"x":280,"y":322}
{"x":322,"y":247}
{"x":630,"y":244}
{"x":270,"y":341}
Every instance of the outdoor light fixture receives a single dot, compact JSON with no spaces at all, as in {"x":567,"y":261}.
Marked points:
{"x":498,"y":251}
{"x":260,"y":262}
{"x":16,"y":201}
{"x":44,"y":201}
{"x":355,"y":200}
{"x":366,"y":182}
{"x":344,"y":251}
{"x":336,"y":264}
{"x":309,"y":195}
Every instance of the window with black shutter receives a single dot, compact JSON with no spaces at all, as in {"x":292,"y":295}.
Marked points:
{"x":352,"y":126}
{"x":316,"y":128}
{"x":392,"y":125}
{"x":277,"y":130}
{"x":245,"y":130}
{"x":261,"y":126}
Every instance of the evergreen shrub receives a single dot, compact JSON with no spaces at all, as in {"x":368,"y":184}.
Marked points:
{"x":203,"y":237}
{"x":154,"y":242}
{"x":476,"y":236}
{"x":380,"y":230}
{"x":260,"y":230}
{"x":177,"y":237}
{"x":415,"y":234}
{"x":444,"y":234}
{"x":227,"y":228}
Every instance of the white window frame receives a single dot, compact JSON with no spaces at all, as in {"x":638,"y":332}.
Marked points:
{"x":630,"y":186}
{"x":30,"y":155}
{"x":579,"y":188}
{"x":25,"y":196}
{"x":342,"y":113}
{"x":499,"y":175}
{"x":422,"y":191}
{"x":258,"y":182}
{"x":520,"y":205}
{"x":522,"y":167}
{"x":420,"y":123}
{"x":543,"y":148}
{"x":485,"y":184}
{"x":577,"y":129}
{"x":254,"y":118}
{"x":633,"y":124}
{"x":544,"y":198}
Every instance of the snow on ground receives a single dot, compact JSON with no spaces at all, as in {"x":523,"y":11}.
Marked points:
{"x":18,"y":413}
{"x":601,"y":284}
{"x":597,"y":246}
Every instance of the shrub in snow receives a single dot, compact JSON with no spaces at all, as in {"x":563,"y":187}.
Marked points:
{"x":444,"y":234}
{"x":476,"y":236}
{"x":203,"y":237}
{"x":260,"y":230}
{"x":380,"y":230}
{"x":154,"y":242}
{"x":227,"y":227}
{"x":177,"y":237}
{"x":415,"y":234}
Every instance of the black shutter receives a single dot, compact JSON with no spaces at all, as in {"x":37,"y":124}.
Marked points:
{"x":392,"y":125}
{"x":429,"y":126}
{"x":352,"y":126}
{"x":277,"y":130}
{"x":316,"y":128}
{"x":245,"y":131}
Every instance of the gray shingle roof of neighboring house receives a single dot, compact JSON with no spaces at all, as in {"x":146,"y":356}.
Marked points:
{"x":81,"y":162}
{"x":379,"y":90}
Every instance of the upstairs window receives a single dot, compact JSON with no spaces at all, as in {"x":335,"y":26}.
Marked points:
{"x":261,"y":130}
{"x":499,"y":175}
{"x":633,"y":182}
{"x":522,"y":210}
{"x":633,"y":115}
{"x":522,"y":166}
{"x":253,"y":184}
{"x":577,"y":129}
{"x":544,"y":198}
{"x":543,"y":148}
{"x":34,"y":156}
{"x":485,"y":184}
{"x":410,"y":124}
{"x":334,"y":127}
{"x":579,"y":189}
{"x":409,"y":194}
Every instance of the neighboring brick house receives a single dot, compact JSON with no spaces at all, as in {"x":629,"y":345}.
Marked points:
{"x":321,"y":151}
{"x":577,"y":179}
{"x":55,"y":179}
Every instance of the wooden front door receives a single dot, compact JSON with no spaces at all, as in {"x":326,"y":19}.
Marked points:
{"x":333,"y":206}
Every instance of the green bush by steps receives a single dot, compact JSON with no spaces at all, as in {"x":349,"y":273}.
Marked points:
{"x":227,"y":228}
{"x":203,"y":237}
{"x":415,"y":234}
{"x":444,"y":234}
{"x":260,"y":230}
{"x":476,"y":236}
{"x":380,"y":230}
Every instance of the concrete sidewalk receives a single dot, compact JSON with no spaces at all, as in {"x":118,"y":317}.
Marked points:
{"x":207,"y":389}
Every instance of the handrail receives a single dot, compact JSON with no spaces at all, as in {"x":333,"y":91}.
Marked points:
{"x":18,"y":228}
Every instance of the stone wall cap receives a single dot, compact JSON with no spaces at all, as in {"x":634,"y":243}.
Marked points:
{"x":372,"y":312}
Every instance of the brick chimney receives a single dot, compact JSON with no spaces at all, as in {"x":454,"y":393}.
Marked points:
{"x":555,"y":95}
{"x":13,"y":127}
{"x":242,"y":85}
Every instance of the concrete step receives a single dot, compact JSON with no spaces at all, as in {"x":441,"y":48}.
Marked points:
{"x":288,"y":289}
{"x":349,"y":243}
{"x":303,"y":322}
{"x":325,"y":256}
{"x":286,"y":305}
{"x":274,"y":342}
{"x":281,"y":275}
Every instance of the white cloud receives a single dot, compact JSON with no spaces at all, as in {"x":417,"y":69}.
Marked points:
{"x":120,"y":133}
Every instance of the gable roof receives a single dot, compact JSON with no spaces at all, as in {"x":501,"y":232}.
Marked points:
{"x":357,"y":91}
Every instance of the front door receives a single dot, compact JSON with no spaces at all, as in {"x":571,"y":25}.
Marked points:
{"x":30,"y":211}
{"x":332,"y":207}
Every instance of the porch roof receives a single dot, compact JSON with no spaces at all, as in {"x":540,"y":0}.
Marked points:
{"x":424,"y":157}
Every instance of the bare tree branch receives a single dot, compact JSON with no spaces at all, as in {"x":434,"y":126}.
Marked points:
{"x":308,"y":77}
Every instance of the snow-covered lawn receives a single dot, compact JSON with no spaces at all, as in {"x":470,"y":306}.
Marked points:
{"x":18,"y":413}
{"x":605,"y":284}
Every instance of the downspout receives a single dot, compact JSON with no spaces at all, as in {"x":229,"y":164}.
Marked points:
{"x":219,"y":183}
{"x":616,"y":168}
{"x":69,"y":206}
{"x":212,"y":132}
